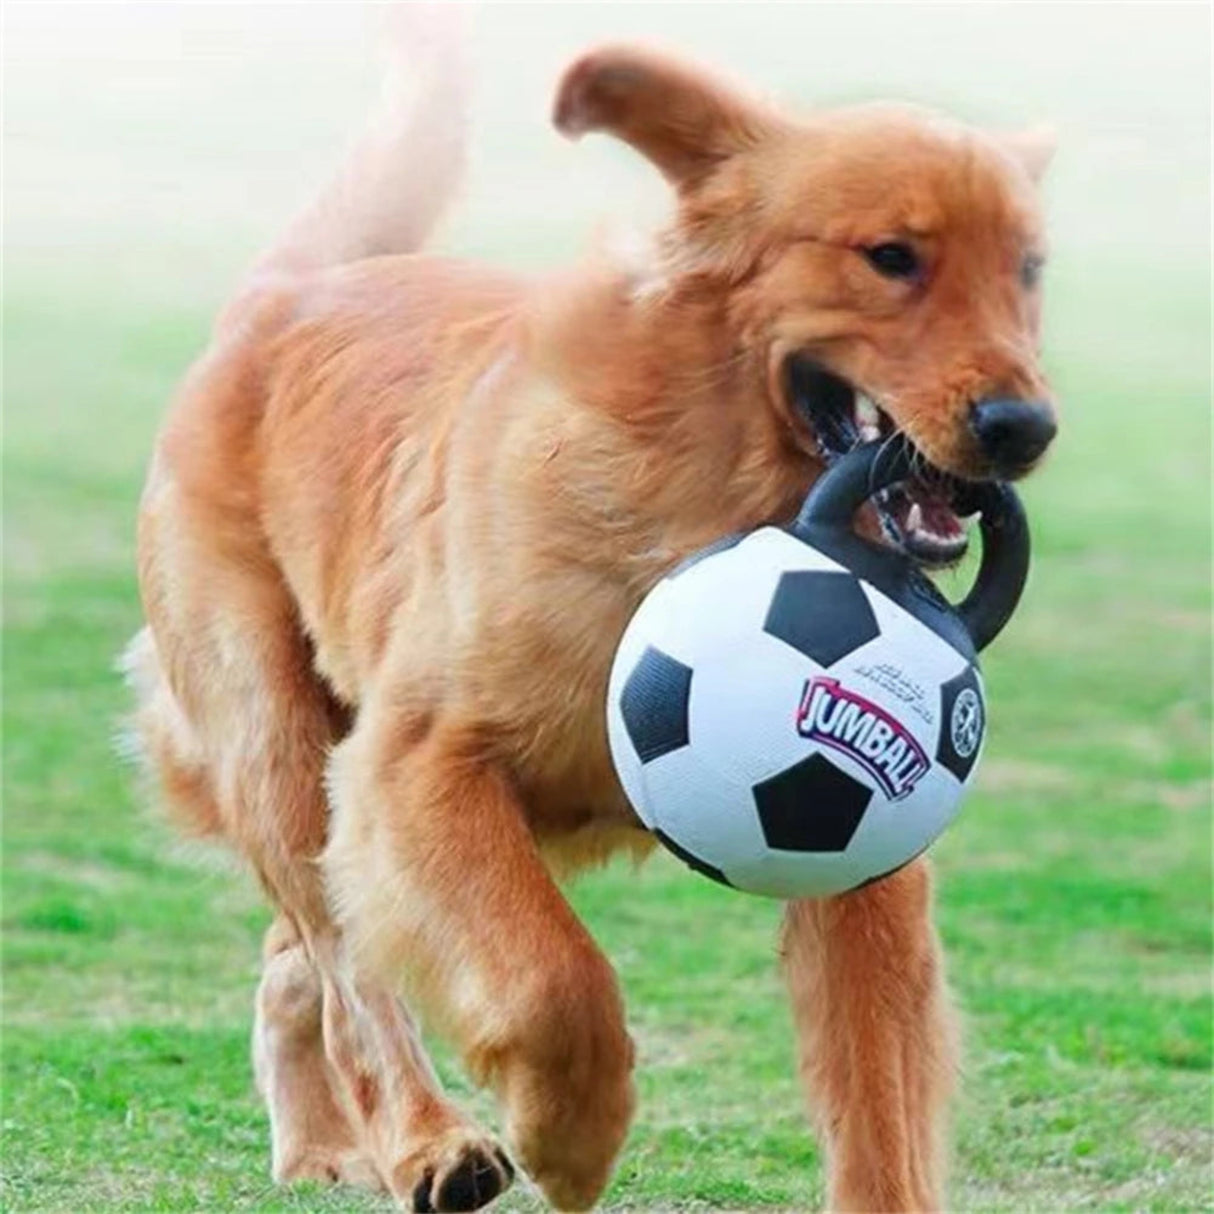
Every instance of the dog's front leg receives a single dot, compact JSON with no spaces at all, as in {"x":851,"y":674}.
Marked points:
{"x":876,"y":1039}
{"x":436,"y":876}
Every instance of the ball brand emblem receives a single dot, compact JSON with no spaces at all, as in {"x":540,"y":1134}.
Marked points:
{"x":965,"y":726}
{"x":834,"y":716}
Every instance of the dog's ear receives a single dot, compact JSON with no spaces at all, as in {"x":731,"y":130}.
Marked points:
{"x":676,"y":115}
{"x":1034,"y":148}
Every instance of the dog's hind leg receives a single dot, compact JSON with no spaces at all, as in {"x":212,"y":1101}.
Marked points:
{"x":311,"y":1137}
{"x":876,"y":1039}
{"x":205,"y":787}
{"x":350,"y":1090}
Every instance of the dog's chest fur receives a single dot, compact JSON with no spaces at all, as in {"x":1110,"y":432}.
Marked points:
{"x":470,"y":532}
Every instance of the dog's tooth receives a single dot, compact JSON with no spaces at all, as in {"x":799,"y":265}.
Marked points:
{"x":869,"y":432}
{"x":914,"y":517}
{"x":969,"y":520}
{"x":867,"y":413}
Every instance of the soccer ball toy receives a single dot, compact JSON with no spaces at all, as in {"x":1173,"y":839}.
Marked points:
{"x":798,"y":711}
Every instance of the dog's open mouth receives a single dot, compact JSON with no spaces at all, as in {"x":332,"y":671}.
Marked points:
{"x":916,"y":515}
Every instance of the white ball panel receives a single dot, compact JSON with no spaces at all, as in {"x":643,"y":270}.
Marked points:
{"x":678,"y":615}
{"x":927,"y":657}
{"x":797,"y":875}
{"x":698,"y":807}
{"x":656,"y":622}
{"x":690,"y":612}
{"x":776,"y":550}
{"x":891,"y":832}
{"x":685,"y":614}
{"x":744,"y":708}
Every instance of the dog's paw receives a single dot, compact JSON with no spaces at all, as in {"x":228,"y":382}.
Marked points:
{"x":462,"y":1170}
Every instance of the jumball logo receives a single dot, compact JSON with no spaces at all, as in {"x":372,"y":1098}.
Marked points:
{"x":832,"y":715}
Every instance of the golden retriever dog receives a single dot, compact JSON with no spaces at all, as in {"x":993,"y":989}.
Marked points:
{"x":395,"y":523}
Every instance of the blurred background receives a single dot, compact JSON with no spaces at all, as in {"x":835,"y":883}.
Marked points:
{"x":151,"y":149}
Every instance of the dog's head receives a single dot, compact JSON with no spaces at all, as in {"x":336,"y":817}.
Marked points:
{"x":881,"y":263}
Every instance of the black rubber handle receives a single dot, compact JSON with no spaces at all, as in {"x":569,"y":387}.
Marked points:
{"x":853,"y":478}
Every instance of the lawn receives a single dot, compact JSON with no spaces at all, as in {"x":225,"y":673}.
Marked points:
{"x":1075,"y":891}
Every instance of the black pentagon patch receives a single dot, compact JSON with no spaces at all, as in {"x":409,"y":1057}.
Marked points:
{"x":654,"y":704}
{"x":694,"y":862}
{"x":724,"y":544}
{"x":962,"y":723}
{"x":823,"y":615}
{"x":812,"y":806}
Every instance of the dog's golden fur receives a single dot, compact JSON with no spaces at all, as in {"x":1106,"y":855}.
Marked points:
{"x":394,"y":524}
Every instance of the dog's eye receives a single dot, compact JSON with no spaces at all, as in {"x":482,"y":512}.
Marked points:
{"x":894,"y":259}
{"x":1030,"y":270}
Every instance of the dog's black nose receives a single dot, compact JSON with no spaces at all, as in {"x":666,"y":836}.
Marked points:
{"x":1012,"y":433}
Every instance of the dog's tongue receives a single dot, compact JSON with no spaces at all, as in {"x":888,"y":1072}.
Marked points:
{"x":931,"y":530}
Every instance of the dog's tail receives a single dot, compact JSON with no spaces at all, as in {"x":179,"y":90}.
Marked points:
{"x":393,"y":185}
